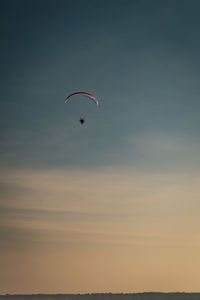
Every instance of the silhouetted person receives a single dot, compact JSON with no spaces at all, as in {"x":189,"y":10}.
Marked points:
{"x":81,"y":120}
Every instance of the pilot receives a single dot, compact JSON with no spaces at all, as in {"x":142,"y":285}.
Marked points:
{"x":81,"y":120}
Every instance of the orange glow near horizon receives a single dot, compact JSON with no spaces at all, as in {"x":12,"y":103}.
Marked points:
{"x":106,"y":231}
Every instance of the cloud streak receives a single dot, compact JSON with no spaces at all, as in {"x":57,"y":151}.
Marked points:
{"x":70,"y":222}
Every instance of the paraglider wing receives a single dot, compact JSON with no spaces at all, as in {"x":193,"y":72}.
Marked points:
{"x":90,"y":96}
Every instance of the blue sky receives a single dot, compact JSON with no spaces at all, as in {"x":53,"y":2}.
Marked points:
{"x":140,"y":59}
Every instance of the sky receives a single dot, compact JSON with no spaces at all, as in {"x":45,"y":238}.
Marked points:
{"x":111,"y":205}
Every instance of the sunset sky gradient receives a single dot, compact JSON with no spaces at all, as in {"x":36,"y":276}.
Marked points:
{"x":112,"y":205}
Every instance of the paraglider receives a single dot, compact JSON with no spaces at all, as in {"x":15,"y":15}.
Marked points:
{"x":88,"y":95}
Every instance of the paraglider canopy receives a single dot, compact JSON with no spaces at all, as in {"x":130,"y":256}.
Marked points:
{"x":90,"y":96}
